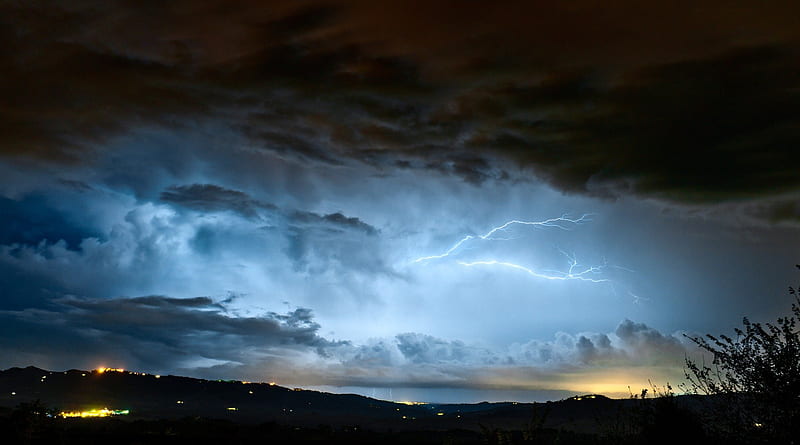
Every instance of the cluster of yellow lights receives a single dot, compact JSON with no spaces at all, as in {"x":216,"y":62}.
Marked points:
{"x":585,"y":397}
{"x":406,"y":402}
{"x":102,"y":370}
{"x":105,"y":412}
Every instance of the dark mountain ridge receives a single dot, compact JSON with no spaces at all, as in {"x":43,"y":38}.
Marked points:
{"x":150,"y":397}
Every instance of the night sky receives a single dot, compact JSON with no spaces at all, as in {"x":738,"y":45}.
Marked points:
{"x":306,"y":191}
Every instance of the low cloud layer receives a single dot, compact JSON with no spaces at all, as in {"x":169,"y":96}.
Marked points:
{"x":153,"y":333}
{"x":202,"y":337}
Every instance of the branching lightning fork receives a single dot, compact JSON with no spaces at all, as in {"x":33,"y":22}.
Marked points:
{"x":563,"y":222}
{"x":575,"y":271}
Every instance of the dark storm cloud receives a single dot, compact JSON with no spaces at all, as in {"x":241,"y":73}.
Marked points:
{"x":213,"y":198}
{"x":684,"y":103}
{"x":336,"y":221}
{"x":701,"y":130}
{"x":162,"y":301}
{"x":784,"y":211}
{"x":152,"y":332}
{"x":209,"y":198}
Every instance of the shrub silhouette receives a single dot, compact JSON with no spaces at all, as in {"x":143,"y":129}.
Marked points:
{"x":754,"y":379}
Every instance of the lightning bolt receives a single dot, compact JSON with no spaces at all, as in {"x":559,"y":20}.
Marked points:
{"x":562,"y":222}
{"x":571,"y":274}
{"x":574,"y":271}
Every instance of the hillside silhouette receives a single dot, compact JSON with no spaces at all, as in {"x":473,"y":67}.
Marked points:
{"x":149,"y":396}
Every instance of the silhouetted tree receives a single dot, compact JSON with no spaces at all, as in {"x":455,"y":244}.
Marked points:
{"x":753,"y":378}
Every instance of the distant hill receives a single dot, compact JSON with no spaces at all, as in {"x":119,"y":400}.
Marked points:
{"x":149,"y":396}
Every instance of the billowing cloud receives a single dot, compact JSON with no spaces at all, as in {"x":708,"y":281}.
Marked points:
{"x":648,"y":343}
{"x":144,"y":245}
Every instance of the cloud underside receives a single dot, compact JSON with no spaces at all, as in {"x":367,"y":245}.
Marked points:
{"x":606,"y":103}
{"x":202,"y":337}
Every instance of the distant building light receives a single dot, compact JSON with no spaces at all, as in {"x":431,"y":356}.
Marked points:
{"x":179,"y":402}
{"x":758,"y":425}
{"x":83,"y":374}
{"x":232,"y":408}
{"x":13,"y":393}
{"x":250,"y":392}
{"x":157,"y":376}
{"x":272,"y":383}
{"x":439,"y":414}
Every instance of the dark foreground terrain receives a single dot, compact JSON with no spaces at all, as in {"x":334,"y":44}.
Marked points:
{"x":170,"y":409}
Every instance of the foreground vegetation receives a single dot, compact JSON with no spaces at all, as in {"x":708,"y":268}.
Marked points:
{"x":753,"y":380}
